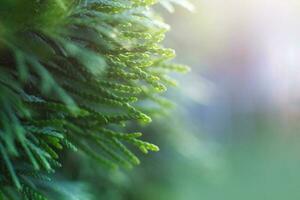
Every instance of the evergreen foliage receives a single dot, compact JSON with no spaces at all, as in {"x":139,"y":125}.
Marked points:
{"x":72,"y":74}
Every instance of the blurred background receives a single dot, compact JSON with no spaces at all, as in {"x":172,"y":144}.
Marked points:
{"x":234,"y":133}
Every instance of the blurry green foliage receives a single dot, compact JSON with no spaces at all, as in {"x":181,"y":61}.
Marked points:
{"x":72,"y":74}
